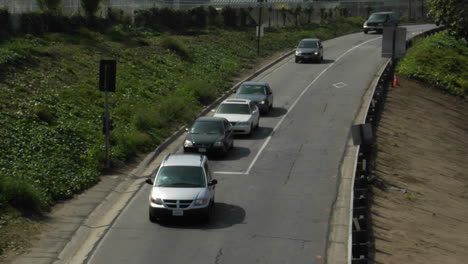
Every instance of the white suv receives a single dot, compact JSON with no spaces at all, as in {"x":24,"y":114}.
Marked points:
{"x":182,"y":186}
{"x":243,"y":115}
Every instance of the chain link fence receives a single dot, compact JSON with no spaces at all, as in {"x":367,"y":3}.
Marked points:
{"x":274,"y":12}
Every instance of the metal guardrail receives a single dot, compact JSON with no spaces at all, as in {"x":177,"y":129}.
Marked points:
{"x":360,"y":242}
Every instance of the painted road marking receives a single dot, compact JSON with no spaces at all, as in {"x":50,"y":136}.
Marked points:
{"x":340,"y":85}
{"x":229,"y":172}
{"x":297,"y":100}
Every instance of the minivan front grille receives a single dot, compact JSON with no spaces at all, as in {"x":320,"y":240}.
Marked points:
{"x":177,"y":203}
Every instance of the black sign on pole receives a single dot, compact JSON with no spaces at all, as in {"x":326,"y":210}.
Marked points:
{"x":107,"y":73}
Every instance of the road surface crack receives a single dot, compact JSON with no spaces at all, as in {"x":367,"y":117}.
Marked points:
{"x":292,"y":166}
{"x":219,"y":255}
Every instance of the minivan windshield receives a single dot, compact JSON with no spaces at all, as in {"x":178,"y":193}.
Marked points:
{"x":180,"y":176}
{"x":240,"y":109}
{"x":309,"y":44}
{"x":207,"y":127}
{"x":252,"y":89}
{"x":379,"y":17}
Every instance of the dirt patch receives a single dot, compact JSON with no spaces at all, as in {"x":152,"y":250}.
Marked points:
{"x":17,"y":233}
{"x":422,"y":214}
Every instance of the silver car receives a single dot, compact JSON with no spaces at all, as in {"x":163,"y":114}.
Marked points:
{"x":243,"y":115}
{"x":309,"y":49}
{"x":182,"y":187}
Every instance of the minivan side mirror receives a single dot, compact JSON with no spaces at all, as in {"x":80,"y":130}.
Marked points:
{"x":186,"y":129}
{"x":234,"y":91}
{"x":149,"y":181}
{"x":213,"y":182}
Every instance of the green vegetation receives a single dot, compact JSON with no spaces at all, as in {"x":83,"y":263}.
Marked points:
{"x":440,"y":59}
{"x":453,"y":14}
{"x":50,"y":107}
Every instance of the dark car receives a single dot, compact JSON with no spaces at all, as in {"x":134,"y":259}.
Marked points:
{"x":258,"y":92}
{"x":309,"y":49}
{"x":377,"y":21}
{"x":209,"y":135}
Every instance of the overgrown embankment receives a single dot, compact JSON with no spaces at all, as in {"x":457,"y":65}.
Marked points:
{"x":50,"y":107}
{"x":441,"y":60}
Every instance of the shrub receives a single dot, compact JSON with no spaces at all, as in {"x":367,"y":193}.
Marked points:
{"x":213,"y":16}
{"x":90,"y":7}
{"x":178,"y":47}
{"x":118,"y":16}
{"x":5,"y":30}
{"x":199,"y":17}
{"x":21,"y":194}
{"x":36,"y":23}
{"x":44,"y":114}
{"x":52,"y":6}
{"x":229,"y":16}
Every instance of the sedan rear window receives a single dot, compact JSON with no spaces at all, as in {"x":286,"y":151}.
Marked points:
{"x":252,"y":89}
{"x":181,"y":176}
{"x":207,"y":127}
{"x":241,"y":109}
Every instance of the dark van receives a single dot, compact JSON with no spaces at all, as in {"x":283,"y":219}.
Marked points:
{"x":377,"y":21}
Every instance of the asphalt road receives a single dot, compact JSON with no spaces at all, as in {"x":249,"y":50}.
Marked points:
{"x":276,"y":188}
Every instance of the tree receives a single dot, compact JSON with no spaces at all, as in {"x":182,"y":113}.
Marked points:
{"x":309,"y":11}
{"x":284,"y":15}
{"x":90,"y":7}
{"x":453,"y":14}
{"x":297,"y":12}
{"x":323,"y":14}
{"x":52,"y":6}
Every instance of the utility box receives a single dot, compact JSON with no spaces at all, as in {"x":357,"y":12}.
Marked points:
{"x":394,"y":42}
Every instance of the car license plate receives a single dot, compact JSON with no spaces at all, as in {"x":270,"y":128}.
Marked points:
{"x":177,"y":212}
{"x":202,"y":150}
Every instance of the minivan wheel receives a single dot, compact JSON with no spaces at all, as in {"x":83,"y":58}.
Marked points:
{"x":365,"y":31}
{"x":152,"y":218}
{"x":297,"y":60}
{"x":209,"y":213}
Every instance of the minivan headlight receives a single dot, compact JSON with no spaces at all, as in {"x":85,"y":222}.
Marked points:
{"x":218,"y":144}
{"x":316,"y":53}
{"x":188,"y":143}
{"x":201,"y":201}
{"x":298,"y":52}
{"x":262,"y":102}
{"x":156,"y":200}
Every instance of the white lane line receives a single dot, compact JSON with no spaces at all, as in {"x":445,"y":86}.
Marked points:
{"x":229,"y":172}
{"x":297,"y":100}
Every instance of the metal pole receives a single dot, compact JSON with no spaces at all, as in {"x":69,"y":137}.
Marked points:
{"x":106,"y":117}
{"x":259,"y":27}
{"x":393,"y":50}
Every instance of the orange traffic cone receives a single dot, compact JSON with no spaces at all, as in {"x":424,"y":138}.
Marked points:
{"x":395,"y":80}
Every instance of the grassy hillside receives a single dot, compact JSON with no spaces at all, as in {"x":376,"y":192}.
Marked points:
{"x":50,"y":107}
{"x":441,"y":60}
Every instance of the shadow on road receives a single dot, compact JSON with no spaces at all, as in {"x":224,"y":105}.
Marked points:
{"x":274,"y":112}
{"x":224,"y":216}
{"x":260,"y":133}
{"x":234,"y":154}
